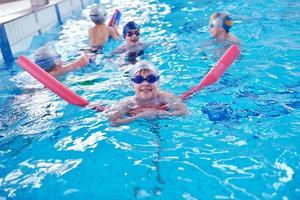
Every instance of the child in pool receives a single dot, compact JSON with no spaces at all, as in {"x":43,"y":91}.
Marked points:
{"x":148,"y":102}
{"x":100,"y":33}
{"x":219,"y":26}
{"x":48,"y":59}
{"x":133,"y":47}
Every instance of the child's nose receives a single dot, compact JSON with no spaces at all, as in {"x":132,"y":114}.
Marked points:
{"x":145,"y":82}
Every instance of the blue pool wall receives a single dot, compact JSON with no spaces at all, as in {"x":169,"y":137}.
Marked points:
{"x":16,"y":33}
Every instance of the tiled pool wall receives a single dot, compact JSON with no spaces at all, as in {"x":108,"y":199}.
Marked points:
{"x":16,"y":34}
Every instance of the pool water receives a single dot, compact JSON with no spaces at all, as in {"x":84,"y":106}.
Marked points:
{"x":239,"y":141}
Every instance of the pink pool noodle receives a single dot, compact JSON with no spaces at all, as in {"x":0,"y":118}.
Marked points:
{"x":51,"y":83}
{"x":216,"y":72}
{"x":71,"y":97}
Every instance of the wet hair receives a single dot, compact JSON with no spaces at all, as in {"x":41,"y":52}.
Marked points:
{"x":98,"y":15}
{"x":130,"y":26}
{"x":146,"y":71}
{"x":222,"y":20}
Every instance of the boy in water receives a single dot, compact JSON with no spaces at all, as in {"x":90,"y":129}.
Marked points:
{"x":219,"y":26}
{"x":148,"y":102}
{"x":133,"y":47}
{"x":48,"y":59}
{"x":100,"y":33}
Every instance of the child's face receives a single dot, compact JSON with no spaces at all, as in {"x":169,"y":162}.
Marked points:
{"x":132,"y":36}
{"x":147,"y":89}
{"x":215,"y":29}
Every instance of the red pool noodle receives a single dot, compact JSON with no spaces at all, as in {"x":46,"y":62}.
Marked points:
{"x":51,"y":83}
{"x":216,"y":72}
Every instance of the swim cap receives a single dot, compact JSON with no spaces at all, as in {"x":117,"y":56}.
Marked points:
{"x":143,"y":64}
{"x":47,"y":57}
{"x":222,"y":20}
{"x":98,"y":15}
{"x":129,"y":26}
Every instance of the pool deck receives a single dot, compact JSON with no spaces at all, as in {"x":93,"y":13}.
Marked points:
{"x":9,"y":8}
{"x":14,"y":9}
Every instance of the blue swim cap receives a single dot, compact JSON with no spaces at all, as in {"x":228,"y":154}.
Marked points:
{"x":47,"y":57}
{"x":98,"y":15}
{"x":129,"y":26}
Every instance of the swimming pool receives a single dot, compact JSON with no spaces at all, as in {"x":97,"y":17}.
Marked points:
{"x":240,"y":140}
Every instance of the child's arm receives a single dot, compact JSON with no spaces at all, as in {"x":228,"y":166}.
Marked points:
{"x":113,"y":32}
{"x":118,"y":119}
{"x":79,"y":63}
{"x":148,"y":44}
{"x":118,"y":50}
{"x":117,"y":114}
{"x":176,"y":106}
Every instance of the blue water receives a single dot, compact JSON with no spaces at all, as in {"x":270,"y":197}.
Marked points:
{"x":239,"y":141}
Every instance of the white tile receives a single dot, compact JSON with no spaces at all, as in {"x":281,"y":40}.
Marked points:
{"x":47,"y":28}
{"x":14,"y":48}
{"x":27,"y":25}
{"x":21,"y":27}
{"x":33,"y":23}
{"x":14,"y":32}
{"x":76,"y":4}
{"x":22,"y":45}
{"x":65,"y":8}
{"x":17,"y":31}
{"x":46,"y":16}
{"x":9,"y":32}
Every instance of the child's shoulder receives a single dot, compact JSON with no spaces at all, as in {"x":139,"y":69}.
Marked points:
{"x":167,"y":95}
{"x":234,"y":39}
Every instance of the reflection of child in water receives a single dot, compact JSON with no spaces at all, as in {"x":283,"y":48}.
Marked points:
{"x":100,"y":33}
{"x":219,"y":25}
{"x":149,"y":101}
{"x":133,"y":47}
{"x":48,"y":59}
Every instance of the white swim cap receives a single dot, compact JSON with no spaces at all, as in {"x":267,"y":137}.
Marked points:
{"x":143,"y":64}
{"x":98,"y":15}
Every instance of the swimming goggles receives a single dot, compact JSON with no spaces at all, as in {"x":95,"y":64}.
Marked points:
{"x":96,"y":15}
{"x":150,"y":79}
{"x":131,"y":33}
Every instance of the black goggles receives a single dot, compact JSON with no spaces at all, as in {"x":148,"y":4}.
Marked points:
{"x":131,"y":33}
